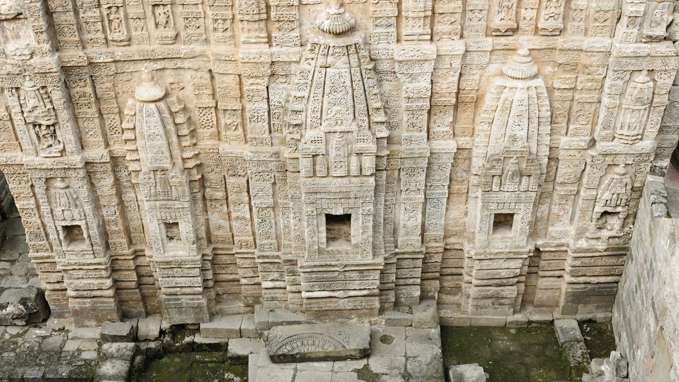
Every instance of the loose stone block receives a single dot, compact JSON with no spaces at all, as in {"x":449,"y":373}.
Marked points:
{"x":148,"y":328}
{"x":318,"y":342}
{"x":466,"y":373}
{"x":567,"y":330}
{"x":118,"y":332}
{"x":23,"y":306}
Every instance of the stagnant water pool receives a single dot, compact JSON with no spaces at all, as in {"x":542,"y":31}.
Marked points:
{"x":192,"y":367}
{"x":530,"y":354}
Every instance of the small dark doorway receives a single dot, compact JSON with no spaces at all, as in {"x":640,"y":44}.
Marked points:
{"x":338,"y":231}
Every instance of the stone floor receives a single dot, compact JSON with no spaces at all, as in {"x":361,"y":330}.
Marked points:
{"x":398,"y":354}
{"x":48,"y":352}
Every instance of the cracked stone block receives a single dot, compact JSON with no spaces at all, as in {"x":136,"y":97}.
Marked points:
{"x":318,"y":342}
{"x":117,"y":332}
{"x":466,"y":373}
{"x":222,"y":327}
{"x":23,"y":306}
{"x":148,"y":328}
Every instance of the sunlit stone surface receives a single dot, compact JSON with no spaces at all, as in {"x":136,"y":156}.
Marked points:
{"x":189,"y":159}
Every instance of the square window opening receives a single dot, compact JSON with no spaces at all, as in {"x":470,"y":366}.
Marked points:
{"x":503,"y":224}
{"x":73,"y":235}
{"x":338,"y":231}
{"x":172,"y":234}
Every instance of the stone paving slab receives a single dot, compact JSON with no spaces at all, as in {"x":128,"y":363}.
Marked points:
{"x":397,"y":354}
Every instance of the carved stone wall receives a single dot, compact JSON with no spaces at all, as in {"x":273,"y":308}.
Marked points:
{"x":194,"y":157}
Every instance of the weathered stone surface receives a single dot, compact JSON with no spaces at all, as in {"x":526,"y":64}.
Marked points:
{"x":222,"y":327}
{"x":466,"y":373}
{"x":23,"y":306}
{"x":239,"y":349}
{"x":567,"y":330}
{"x":318,"y":342}
{"x":426,"y":315}
{"x":646,"y":311}
{"x":118,"y":332}
{"x":148,"y":328}
{"x":337,"y":161}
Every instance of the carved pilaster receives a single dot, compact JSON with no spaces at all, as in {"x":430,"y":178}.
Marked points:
{"x":415,"y":64}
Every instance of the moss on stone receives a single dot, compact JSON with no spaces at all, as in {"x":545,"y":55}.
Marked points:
{"x":529,"y":354}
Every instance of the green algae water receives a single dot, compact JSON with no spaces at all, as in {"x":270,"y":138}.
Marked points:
{"x":530,"y":354}
{"x":192,"y":367}
{"x":599,"y":338}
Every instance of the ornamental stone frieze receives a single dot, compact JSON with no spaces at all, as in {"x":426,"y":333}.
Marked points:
{"x":192,"y":158}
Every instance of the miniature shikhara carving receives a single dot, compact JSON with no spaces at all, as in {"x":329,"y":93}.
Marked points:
{"x":337,"y":160}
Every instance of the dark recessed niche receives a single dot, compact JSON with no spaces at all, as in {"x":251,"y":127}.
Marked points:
{"x":338,"y":231}
{"x":503,"y":224}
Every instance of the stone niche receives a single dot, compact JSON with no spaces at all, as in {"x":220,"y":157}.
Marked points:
{"x":335,"y":160}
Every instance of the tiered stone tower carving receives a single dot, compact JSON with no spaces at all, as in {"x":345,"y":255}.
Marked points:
{"x":190,"y":158}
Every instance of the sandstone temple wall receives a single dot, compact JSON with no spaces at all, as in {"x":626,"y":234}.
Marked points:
{"x":645,"y":316}
{"x":187,"y":156}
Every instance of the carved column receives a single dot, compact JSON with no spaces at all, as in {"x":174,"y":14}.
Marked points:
{"x":414,"y":65}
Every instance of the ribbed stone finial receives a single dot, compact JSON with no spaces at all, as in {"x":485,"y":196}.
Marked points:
{"x":521,"y":67}
{"x":148,"y":89}
{"x":335,"y":19}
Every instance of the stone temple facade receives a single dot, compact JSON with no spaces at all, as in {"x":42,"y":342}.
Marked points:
{"x":190,"y":157}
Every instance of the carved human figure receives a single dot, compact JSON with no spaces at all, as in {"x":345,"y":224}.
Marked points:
{"x":64,"y":202}
{"x":635,"y":107}
{"x":115,"y":20}
{"x":612,"y":202}
{"x":117,"y":31}
{"x":39,"y":114}
{"x":552,"y":10}
{"x":511,"y":177}
{"x":505,"y":10}
{"x":163,"y":15}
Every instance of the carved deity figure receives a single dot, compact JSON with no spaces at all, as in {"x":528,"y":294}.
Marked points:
{"x":658,"y":18}
{"x":505,"y":10}
{"x":635,"y":107}
{"x":39,"y":114}
{"x":117,"y":31}
{"x":551,"y":17}
{"x":163,"y":16}
{"x":511,"y":178}
{"x":612,"y":202}
{"x":505,"y":18}
{"x":552,"y":10}
{"x":64,"y":202}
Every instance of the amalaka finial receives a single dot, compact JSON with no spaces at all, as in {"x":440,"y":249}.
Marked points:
{"x":335,"y":20}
